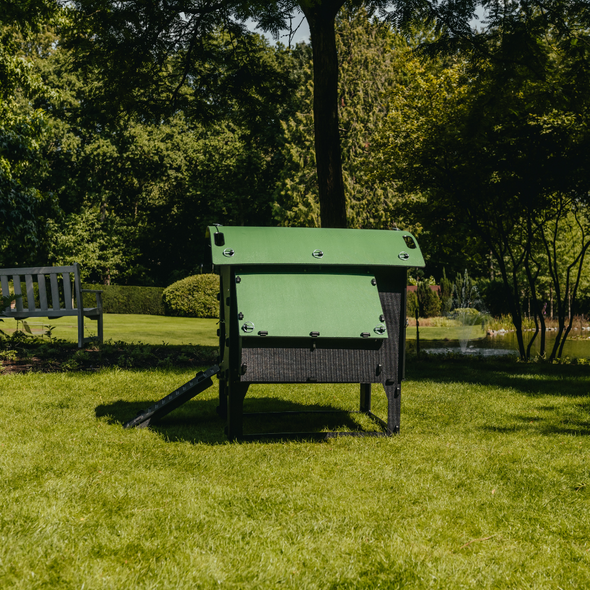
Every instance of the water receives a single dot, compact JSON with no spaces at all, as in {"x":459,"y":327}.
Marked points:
{"x":507,"y":344}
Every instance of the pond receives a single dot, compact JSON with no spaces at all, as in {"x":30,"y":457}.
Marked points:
{"x":502,"y":344}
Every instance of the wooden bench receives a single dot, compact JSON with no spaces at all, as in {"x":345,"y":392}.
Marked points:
{"x":47,"y":302}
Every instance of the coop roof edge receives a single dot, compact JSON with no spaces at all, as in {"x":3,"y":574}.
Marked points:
{"x":322,"y":246}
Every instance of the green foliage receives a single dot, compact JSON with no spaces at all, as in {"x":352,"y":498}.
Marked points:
{"x":61,"y":355}
{"x":468,"y":316}
{"x":429,"y":301}
{"x":446,"y":294}
{"x":497,"y":142}
{"x":465,"y":292}
{"x":412,"y":304}
{"x":369,"y":58}
{"x":99,"y":242}
{"x":129,"y":300}
{"x":23,"y":206}
{"x":142,"y":188}
{"x":194,"y":297}
{"x":6,"y":300}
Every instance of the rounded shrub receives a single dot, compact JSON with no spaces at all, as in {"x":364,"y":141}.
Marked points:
{"x":193,"y":297}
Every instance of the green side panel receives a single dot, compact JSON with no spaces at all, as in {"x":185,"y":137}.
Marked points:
{"x":296,"y":304}
{"x":302,"y":245}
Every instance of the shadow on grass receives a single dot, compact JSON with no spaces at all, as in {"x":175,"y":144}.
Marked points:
{"x":197,"y":421}
{"x":548,"y":427}
{"x":533,"y":379}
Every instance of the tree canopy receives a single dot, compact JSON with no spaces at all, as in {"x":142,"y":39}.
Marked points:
{"x":129,"y":126}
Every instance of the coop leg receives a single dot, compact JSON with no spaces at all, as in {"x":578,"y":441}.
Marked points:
{"x":365,"y":397}
{"x":235,"y":409}
{"x":393,"y":393}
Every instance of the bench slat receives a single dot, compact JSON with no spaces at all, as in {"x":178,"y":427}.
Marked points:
{"x":42,"y":314}
{"x":54,"y":293}
{"x":17,"y":291}
{"x":42,"y":291}
{"x":90,"y":312}
{"x":5,"y":289}
{"x":37,"y":270}
{"x":67,"y":290}
{"x":30,"y":293}
{"x":40,"y":308}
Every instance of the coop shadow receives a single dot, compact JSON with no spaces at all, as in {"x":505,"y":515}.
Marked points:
{"x":197,"y":421}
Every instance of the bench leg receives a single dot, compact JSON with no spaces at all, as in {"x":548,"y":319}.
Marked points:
{"x":99,"y":328}
{"x":80,"y":330}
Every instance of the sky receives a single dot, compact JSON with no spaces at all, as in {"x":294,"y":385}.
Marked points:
{"x":302,"y":33}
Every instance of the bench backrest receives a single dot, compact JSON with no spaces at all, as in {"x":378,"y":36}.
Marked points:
{"x":48,"y":294}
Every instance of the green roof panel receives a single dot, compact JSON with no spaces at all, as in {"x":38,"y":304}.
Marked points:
{"x":333,"y":305}
{"x":322,"y":246}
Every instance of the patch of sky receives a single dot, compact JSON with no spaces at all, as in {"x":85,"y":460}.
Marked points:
{"x":299,"y":31}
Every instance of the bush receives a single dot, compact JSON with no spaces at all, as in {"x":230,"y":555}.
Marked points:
{"x":469,"y":316}
{"x":193,"y":297}
{"x":429,"y":301}
{"x":124,"y":299}
{"x":411,"y":304}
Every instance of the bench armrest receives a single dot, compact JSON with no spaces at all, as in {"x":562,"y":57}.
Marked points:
{"x":97,"y":294}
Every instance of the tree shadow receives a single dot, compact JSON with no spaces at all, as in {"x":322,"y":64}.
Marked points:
{"x":569,"y":427}
{"x":197,"y":421}
{"x":558,"y":380}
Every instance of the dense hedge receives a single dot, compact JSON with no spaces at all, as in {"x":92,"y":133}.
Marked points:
{"x":194,"y":297}
{"x":123,"y":299}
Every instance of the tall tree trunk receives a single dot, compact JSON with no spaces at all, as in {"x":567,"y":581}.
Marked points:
{"x":321,"y":15}
{"x":514,"y":301}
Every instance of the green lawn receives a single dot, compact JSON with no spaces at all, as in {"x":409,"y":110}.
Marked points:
{"x":487,"y":486}
{"x":447,"y":333}
{"x":152,"y":329}
{"x":149,"y":329}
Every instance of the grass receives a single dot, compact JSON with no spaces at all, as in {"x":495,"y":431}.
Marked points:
{"x":487,"y":486}
{"x":149,"y":329}
{"x":446,"y":333}
{"x":152,"y":329}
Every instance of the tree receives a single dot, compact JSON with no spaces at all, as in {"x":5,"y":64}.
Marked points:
{"x":23,"y":206}
{"x":153,"y":46}
{"x":429,"y":301}
{"x":372,"y":61}
{"x":499,"y":144}
{"x":168,"y":177}
{"x":98,"y":241}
